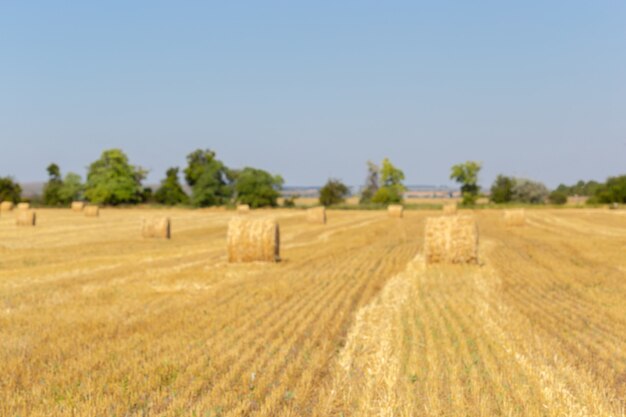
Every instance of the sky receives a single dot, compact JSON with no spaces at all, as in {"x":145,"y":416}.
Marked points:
{"x":312,"y":90}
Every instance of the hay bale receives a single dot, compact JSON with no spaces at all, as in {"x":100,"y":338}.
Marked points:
{"x":243,"y":208}
{"x":250,"y":240}
{"x":515,"y":218}
{"x":449,"y":208}
{"x":395,"y":210}
{"x":23,"y":206}
{"x":451,"y":240}
{"x":316,"y":215}
{"x":92,"y":211}
{"x":6,"y":206}
{"x":25,"y":218}
{"x":78,"y":206}
{"x":156,"y":228}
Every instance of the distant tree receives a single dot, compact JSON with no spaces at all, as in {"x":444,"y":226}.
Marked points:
{"x":392,"y":189}
{"x":581,"y":188}
{"x":613,"y":191}
{"x":71,"y":189}
{"x":52,"y":187}
{"x":558,"y":197}
{"x":290,"y":201}
{"x":502,"y":189}
{"x":171,"y":191}
{"x":210,"y":180}
{"x":467,"y":175}
{"x":257,"y":188}
{"x":371,"y":183}
{"x":530,"y":192}
{"x":113,"y":180}
{"x":333,"y":192}
{"x":10,"y":190}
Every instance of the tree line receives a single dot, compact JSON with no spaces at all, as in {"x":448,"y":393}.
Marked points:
{"x":113,"y":180}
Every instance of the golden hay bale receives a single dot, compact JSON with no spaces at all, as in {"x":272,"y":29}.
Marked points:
{"x":92,"y":211}
{"x":23,"y":206}
{"x":449,"y":208}
{"x":6,"y":206}
{"x":78,"y":205}
{"x":316,"y":215}
{"x":514,"y":218}
{"x":243,"y":208}
{"x":451,"y":240}
{"x":157,"y":228}
{"x":25,"y":218}
{"x":250,"y":240}
{"x":395,"y":210}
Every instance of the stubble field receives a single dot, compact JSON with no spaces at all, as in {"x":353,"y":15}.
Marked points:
{"x":95,"y":320}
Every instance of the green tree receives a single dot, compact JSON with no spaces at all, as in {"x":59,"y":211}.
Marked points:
{"x":71,"y":189}
{"x":613,"y":191}
{"x":502,"y":189}
{"x":113,"y":180}
{"x":171,"y":191}
{"x":333,"y":192}
{"x":10,"y":190}
{"x":558,"y":197}
{"x":210,"y":180}
{"x":371,"y":183}
{"x":257,"y":188}
{"x":530,"y":192}
{"x":53,"y":186}
{"x":467,"y":175}
{"x":392,"y":189}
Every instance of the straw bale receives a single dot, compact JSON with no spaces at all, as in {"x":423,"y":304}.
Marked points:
{"x":250,"y":240}
{"x":450,"y":239}
{"x":92,"y":211}
{"x":156,"y":228}
{"x":395,"y":210}
{"x":78,"y":206}
{"x":316,"y":215}
{"x":25,"y":218}
{"x":6,"y":206}
{"x":514,"y":218}
{"x":449,"y":208}
{"x":23,"y":206}
{"x":243,"y":208}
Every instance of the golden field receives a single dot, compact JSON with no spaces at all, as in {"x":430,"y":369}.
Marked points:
{"x":97,"y":321}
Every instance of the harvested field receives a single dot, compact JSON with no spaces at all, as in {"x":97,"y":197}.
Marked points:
{"x":96,"y":320}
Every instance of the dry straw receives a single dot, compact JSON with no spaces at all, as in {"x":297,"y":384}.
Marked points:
{"x":25,"y":218}
{"x":23,"y":206}
{"x":6,"y":206}
{"x":250,"y":240}
{"x":78,"y":206}
{"x":395,"y":210}
{"x":156,"y":228}
{"x":449,"y":209}
{"x":243,"y":208}
{"x":92,"y":211}
{"x":451,"y":240}
{"x":515,"y":218}
{"x":316,"y":215}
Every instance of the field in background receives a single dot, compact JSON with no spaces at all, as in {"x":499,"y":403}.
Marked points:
{"x":95,"y":320}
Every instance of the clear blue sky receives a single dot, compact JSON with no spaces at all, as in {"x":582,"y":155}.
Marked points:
{"x":315,"y":89}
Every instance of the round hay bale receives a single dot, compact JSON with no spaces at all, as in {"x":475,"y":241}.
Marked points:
{"x":449,"y":208}
{"x":395,"y":210}
{"x":515,"y":218}
{"x":92,"y":211}
{"x":250,"y":240}
{"x":243,"y":208}
{"x":25,"y":218}
{"x":450,"y":239}
{"x":156,"y":228}
{"x":6,"y":206}
{"x":78,"y":206}
{"x":316,"y":215}
{"x":23,"y":206}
